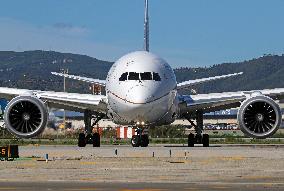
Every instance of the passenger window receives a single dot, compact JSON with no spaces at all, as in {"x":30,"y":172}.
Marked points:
{"x":146,"y":76}
{"x":133,"y":76}
{"x":156,"y":76}
{"x":123,"y":77}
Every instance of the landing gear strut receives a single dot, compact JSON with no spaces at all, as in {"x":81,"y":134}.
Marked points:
{"x":140,"y":139}
{"x":88,"y":137}
{"x":198,"y":138}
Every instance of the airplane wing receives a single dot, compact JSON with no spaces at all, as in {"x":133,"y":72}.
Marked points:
{"x":61,"y":100}
{"x":84,"y":79}
{"x":191,"y":83}
{"x":220,"y":101}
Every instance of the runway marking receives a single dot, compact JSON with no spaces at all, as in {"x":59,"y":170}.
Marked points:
{"x":88,"y":179}
{"x":242,"y":183}
{"x":7,"y":188}
{"x":162,"y":177}
{"x":26,"y":165}
{"x":86,"y":189}
{"x":191,"y":189}
{"x":147,"y":189}
{"x":88,"y":163}
{"x":257,"y":177}
{"x":220,"y":159}
{"x":233,"y":158}
{"x":220,"y":187}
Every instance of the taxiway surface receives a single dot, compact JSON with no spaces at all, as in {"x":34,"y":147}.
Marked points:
{"x":255,"y":167}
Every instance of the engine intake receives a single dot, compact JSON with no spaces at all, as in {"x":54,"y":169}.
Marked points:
{"x":26,"y":116}
{"x":259,"y":117}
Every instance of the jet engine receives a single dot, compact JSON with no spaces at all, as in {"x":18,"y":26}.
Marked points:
{"x":259,"y":117}
{"x":26,"y":116}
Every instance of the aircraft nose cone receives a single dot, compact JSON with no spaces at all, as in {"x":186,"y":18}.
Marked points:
{"x":139,"y":95}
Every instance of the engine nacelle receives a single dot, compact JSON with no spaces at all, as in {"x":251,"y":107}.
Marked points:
{"x":259,"y":117}
{"x":26,"y":116}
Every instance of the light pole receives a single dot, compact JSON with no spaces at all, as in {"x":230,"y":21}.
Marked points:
{"x":64,"y":71}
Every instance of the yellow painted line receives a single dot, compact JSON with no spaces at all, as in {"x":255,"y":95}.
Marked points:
{"x":81,"y":189}
{"x":88,"y":179}
{"x":87,"y":163}
{"x":267,"y":183}
{"x":8,"y":188}
{"x":162,"y":177}
{"x":233,"y":158}
{"x":148,"y":189}
{"x":221,"y":187}
{"x":258,"y":177}
{"x":26,"y":165}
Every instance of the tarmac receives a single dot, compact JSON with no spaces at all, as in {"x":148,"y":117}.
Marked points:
{"x":158,"y":167}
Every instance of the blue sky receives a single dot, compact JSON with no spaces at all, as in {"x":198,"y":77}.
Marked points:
{"x":184,"y":32}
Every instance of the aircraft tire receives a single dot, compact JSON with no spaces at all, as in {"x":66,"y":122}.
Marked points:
{"x":198,"y":139}
{"x":135,"y":141}
{"x":190,"y":140}
{"x":96,"y":140}
{"x":81,"y":140}
{"x":205,"y":140}
{"x":144,"y":141}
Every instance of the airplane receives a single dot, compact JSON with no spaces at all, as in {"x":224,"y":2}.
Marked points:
{"x":142,"y":91}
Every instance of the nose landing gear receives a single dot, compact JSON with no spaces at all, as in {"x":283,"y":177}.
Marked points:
{"x":140,"y":139}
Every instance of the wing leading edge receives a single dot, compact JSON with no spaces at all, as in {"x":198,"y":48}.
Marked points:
{"x":61,"y":100}
{"x":226,"y":100}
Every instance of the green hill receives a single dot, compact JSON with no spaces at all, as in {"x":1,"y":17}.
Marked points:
{"x":31,"y":69}
{"x":264,"y":72}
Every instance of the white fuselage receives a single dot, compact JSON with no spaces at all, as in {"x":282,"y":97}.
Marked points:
{"x":141,"y":88}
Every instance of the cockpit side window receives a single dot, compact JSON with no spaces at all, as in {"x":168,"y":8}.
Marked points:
{"x":156,"y":76}
{"x":123,"y":77}
{"x":133,"y":76}
{"x":146,"y":76}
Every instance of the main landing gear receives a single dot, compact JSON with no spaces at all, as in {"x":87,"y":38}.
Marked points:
{"x":140,"y":139}
{"x":198,"y":138}
{"x":88,"y":137}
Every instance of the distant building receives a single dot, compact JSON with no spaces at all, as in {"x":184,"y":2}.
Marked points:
{"x":223,"y":114}
{"x":3,"y":104}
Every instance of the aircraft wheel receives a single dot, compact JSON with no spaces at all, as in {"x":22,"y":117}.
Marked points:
{"x":144,"y":141}
{"x":198,"y":139}
{"x":81,"y":140}
{"x":96,"y":140}
{"x":135,"y":141}
{"x":190,"y":140}
{"x":89,"y":139}
{"x":205,"y":140}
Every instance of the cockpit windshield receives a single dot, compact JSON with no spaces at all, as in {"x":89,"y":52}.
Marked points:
{"x":133,"y":76}
{"x":144,"y":76}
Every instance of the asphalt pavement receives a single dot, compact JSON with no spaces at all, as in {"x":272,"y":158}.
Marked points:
{"x":159,"y":167}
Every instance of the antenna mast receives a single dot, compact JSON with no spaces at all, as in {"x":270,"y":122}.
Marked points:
{"x":146,"y":27}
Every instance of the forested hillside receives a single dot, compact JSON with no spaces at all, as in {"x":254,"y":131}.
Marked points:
{"x":264,"y":72}
{"x":31,"y":69}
